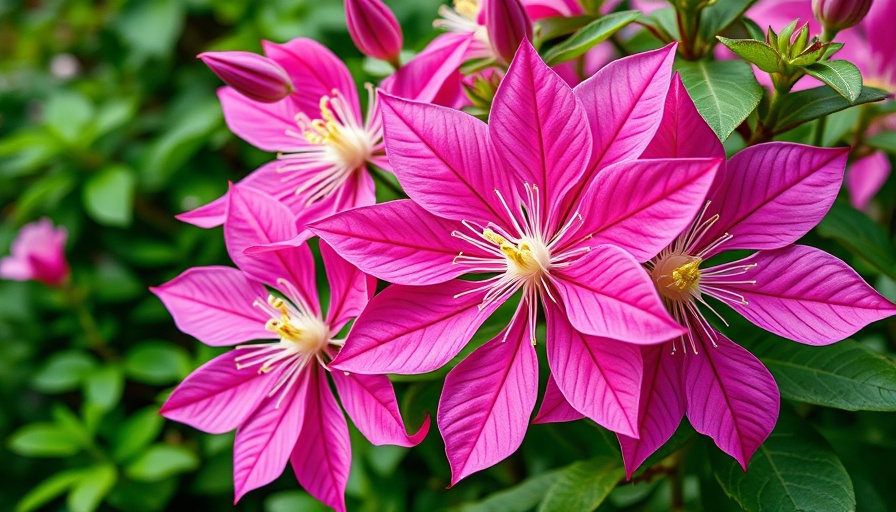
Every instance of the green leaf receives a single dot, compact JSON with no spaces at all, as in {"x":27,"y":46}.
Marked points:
{"x":150,"y":28}
{"x":109,"y":196}
{"x":804,"y":106}
{"x":885,"y":141}
{"x":583,"y":486}
{"x":846,"y":375}
{"x":140,"y":429}
{"x":157,"y":362}
{"x":293,"y":501}
{"x":861,"y":236}
{"x":795,"y":469}
{"x":64,"y":371}
{"x":66,"y":114}
{"x":758,"y":52}
{"x":589,"y":36}
{"x":161,"y":461}
{"x":718,"y":16}
{"x":94,"y":485}
{"x":49,"y":489}
{"x":519,"y":498}
{"x":43,"y":440}
{"x":725,"y":92}
{"x":556,"y":26}
{"x":104,"y":386}
{"x":843,"y":76}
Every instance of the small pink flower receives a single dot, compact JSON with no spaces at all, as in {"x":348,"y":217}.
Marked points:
{"x":840,"y":14}
{"x":38,"y":253}
{"x":254,"y":76}
{"x":277,"y":394}
{"x":374,"y":29}
{"x":507,"y":24}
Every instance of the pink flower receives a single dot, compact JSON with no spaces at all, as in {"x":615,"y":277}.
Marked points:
{"x":507,"y":24}
{"x":374,"y":29}
{"x":254,"y":76}
{"x":840,"y":14}
{"x":323,"y":143}
{"x":546,"y":199}
{"x":277,"y":394}
{"x":38,"y":253}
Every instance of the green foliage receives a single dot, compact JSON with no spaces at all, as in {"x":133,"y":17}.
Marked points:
{"x":725,"y":92}
{"x":589,"y":36}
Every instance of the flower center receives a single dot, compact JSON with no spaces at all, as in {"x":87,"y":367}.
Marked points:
{"x":467,"y":8}
{"x":677,"y":276}
{"x":300,"y":334}
{"x":526,"y":259}
{"x":347,"y":142}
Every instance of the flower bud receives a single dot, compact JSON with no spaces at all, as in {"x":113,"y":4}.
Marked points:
{"x":840,"y":14}
{"x":374,"y":29}
{"x":38,"y":253}
{"x":507,"y":24}
{"x":254,"y":76}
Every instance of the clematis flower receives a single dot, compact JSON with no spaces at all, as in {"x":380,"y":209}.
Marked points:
{"x":548,"y":203}
{"x":254,"y":76}
{"x":323,"y":143}
{"x":277,"y":394}
{"x":769,"y":196}
{"x":374,"y":29}
{"x":38,"y":254}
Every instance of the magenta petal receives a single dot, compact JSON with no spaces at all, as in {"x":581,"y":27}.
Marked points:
{"x":413,"y":329}
{"x":218,"y":397}
{"x":266,"y":126}
{"x":807,"y":295}
{"x":662,"y":405}
{"x":214,"y":305}
{"x":323,"y":454}
{"x":263,"y":443}
{"x":774,"y":193}
{"x":865,"y":177}
{"x":540,"y":128}
{"x":432,"y":75}
{"x":350,"y":288}
{"x":608,"y":294}
{"x":683,"y":133}
{"x":370,"y":402}
{"x":444,"y":160}
{"x":487,"y":400}
{"x":398,"y":242}
{"x":316,"y":72}
{"x":554,"y":406}
{"x":643,"y":205}
{"x":600,"y":377}
{"x":731,"y":396}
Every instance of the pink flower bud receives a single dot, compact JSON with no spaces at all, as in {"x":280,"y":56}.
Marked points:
{"x":38,"y":253}
{"x":374,"y":29}
{"x":507,"y":24}
{"x":840,"y":14}
{"x":254,"y":76}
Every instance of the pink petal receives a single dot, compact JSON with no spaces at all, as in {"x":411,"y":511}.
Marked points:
{"x":445,"y":161}
{"x":608,"y":294}
{"x":398,"y":242}
{"x":731,"y":397}
{"x":214,"y":305}
{"x":774,"y":193}
{"x":432,"y":74}
{"x":487,"y":400}
{"x":264,"y":441}
{"x":370,"y":402}
{"x":643,"y":205}
{"x":534,"y":121}
{"x":323,"y":454}
{"x":661,"y":408}
{"x":539,"y":9}
{"x":255,"y":218}
{"x":413,"y":329}
{"x":218,"y":397}
{"x":807,"y":295}
{"x":865,"y":177}
{"x":350,"y":289}
{"x":554,"y":406}
{"x":266,"y":126}
{"x":600,"y":377}
{"x":316,"y":72}
{"x":683,"y":133}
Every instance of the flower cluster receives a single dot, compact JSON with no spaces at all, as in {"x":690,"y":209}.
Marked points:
{"x":606,"y":210}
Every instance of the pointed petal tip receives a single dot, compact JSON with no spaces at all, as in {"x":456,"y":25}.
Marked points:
{"x":416,"y":438}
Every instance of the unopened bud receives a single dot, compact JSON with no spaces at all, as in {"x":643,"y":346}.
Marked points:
{"x":507,"y":24}
{"x":374,"y":29}
{"x":840,"y":14}
{"x":254,"y":76}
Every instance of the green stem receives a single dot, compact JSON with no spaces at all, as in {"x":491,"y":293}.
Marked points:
{"x":688,"y":28}
{"x":383,"y":180}
{"x":818,"y":132}
{"x":828,"y":35}
{"x":88,"y":324}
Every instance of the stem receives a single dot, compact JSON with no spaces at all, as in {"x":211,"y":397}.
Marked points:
{"x":818,"y":132}
{"x":378,"y":176}
{"x":828,"y":34}
{"x":688,"y":27}
{"x":88,"y":324}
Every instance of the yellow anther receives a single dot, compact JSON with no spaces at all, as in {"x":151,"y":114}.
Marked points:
{"x":687,"y":275}
{"x":677,"y":276}
{"x":467,"y":8}
{"x":521,"y":255}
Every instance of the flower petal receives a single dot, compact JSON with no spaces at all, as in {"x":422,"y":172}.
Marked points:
{"x":683,"y":133}
{"x":608,"y":294}
{"x":487,"y":400}
{"x":774,"y":193}
{"x":731,"y":396}
{"x":263,"y":442}
{"x":444,"y":160}
{"x":267,"y":126}
{"x":413,"y":329}
{"x":661,"y":408}
{"x":534,"y":121}
{"x":214,"y":305}
{"x":218,"y":397}
{"x":350,"y":289}
{"x":432,"y":75}
{"x":554,"y":406}
{"x":643,"y":205}
{"x":323,"y":454}
{"x":865,"y":177}
{"x":807,"y":295}
{"x":370,"y":402}
{"x":398,"y":241}
{"x":600,"y":377}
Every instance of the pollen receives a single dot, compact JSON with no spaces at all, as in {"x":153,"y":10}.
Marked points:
{"x":302,"y":336}
{"x":347,"y":143}
{"x":526,"y":258}
{"x":467,"y":8}
{"x":677,"y":276}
